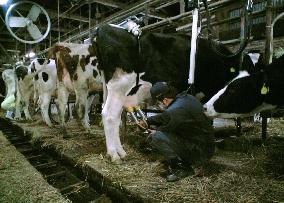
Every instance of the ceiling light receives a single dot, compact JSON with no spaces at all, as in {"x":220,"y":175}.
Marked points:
{"x":3,"y":2}
{"x":31,"y":54}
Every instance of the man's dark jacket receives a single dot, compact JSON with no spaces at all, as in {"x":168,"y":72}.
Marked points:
{"x":185,"y":123}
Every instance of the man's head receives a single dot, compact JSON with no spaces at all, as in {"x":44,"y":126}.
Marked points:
{"x":163,"y":92}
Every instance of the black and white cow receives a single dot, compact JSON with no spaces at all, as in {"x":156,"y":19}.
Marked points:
{"x":130,"y":67}
{"x":44,"y":85}
{"x":25,"y":88}
{"x":250,"y":93}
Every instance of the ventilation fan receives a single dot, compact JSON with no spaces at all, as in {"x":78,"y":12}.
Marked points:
{"x":14,"y":19}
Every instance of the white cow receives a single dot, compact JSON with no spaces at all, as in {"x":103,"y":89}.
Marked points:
{"x":9,"y":102}
{"x":44,"y":85}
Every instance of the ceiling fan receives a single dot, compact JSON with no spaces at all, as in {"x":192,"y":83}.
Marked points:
{"x":14,"y":19}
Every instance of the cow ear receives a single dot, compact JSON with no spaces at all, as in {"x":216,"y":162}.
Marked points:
{"x":92,"y":50}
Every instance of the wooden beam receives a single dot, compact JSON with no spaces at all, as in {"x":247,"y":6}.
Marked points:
{"x":109,"y":3}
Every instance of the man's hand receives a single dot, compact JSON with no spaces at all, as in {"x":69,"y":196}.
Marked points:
{"x":151,"y":132}
{"x":143,"y":124}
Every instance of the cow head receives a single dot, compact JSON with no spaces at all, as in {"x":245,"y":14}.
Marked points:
{"x":240,"y":96}
{"x":21,"y":72}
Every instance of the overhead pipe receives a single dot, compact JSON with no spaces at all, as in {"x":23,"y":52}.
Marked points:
{"x":121,"y":15}
{"x":214,"y":5}
{"x":134,"y":10}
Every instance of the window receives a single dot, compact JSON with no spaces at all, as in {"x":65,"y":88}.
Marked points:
{"x":258,"y":20}
{"x":259,"y":6}
{"x":235,"y":13}
{"x":277,"y":2}
{"x":234,"y":26}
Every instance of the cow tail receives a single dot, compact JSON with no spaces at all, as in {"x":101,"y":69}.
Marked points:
{"x":104,"y":86}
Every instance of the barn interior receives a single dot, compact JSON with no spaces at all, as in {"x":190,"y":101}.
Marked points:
{"x":39,"y":163}
{"x":72,"y":21}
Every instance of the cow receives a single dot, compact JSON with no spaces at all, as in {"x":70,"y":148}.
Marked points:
{"x":9,"y":79}
{"x":2,"y":88}
{"x":130,"y":66}
{"x":77,"y":73}
{"x":250,"y":93}
{"x":44,"y":85}
{"x":25,"y":88}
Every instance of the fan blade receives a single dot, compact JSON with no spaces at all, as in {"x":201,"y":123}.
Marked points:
{"x":34,"y":13}
{"x":17,"y":22}
{"x":34,"y":31}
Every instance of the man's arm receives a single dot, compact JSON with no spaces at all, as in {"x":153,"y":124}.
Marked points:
{"x":160,"y":119}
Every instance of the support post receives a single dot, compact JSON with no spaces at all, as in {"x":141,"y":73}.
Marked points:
{"x":194,"y":34}
{"x":238,"y":122}
{"x":181,"y":6}
{"x":268,"y":57}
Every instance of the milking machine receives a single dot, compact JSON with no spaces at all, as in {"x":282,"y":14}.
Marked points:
{"x":140,"y":121}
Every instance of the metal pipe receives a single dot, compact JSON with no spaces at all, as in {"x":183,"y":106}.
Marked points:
{"x":136,"y":9}
{"x":186,"y":14}
{"x":194,"y":34}
{"x":268,"y":40}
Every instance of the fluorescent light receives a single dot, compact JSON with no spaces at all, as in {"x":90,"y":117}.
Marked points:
{"x":3,"y":2}
{"x":32,"y":54}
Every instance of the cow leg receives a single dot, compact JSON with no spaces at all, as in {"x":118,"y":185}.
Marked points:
{"x":44,"y":106}
{"x":26,"y":110}
{"x":26,"y":103}
{"x":89,"y":106}
{"x":63,"y":95}
{"x":82,"y":107}
{"x":18,"y":106}
{"x":111,"y":118}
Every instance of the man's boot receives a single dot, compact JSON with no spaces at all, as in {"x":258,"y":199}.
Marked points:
{"x":179,"y":171}
{"x":164,"y":169}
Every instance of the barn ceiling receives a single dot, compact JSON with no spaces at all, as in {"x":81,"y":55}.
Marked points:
{"x":71,"y":20}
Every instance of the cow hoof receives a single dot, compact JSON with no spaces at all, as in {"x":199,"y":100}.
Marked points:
{"x":122,"y":153}
{"x":116,"y":160}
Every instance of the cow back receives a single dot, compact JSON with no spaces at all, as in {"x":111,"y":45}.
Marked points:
{"x":116,"y":49}
{"x":165,"y":57}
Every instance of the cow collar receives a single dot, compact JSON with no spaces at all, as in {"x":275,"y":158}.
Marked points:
{"x":265,"y":88}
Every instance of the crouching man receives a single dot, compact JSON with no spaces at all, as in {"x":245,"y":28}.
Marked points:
{"x":183,"y":135}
